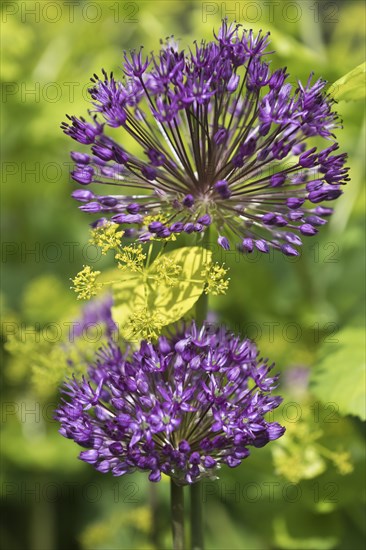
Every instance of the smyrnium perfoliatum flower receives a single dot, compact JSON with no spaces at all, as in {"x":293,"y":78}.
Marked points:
{"x":183,"y":406}
{"x":223,"y":139}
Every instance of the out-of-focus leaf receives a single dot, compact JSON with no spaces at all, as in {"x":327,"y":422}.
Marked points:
{"x":285,"y":45}
{"x":57,"y":345}
{"x":344,"y":48}
{"x":135,"y":524}
{"x":27,"y":444}
{"x":50,"y":369}
{"x":351,"y":86}
{"x":46,"y":299}
{"x":287,"y":542}
{"x":339,"y":376}
{"x":225,"y":534}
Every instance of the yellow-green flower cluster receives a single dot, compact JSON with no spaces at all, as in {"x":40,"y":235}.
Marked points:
{"x":131,"y":257}
{"x":106,"y":236}
{"x":169,"y":271}
{"x":342,"y":462}
{"x":300,"y":455}
{"x":85,"y":284}
{"x":145,"y":325}
{"x":216,"y":280}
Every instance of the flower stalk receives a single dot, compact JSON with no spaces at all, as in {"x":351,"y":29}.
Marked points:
{"x":177,"y":515}
{"x":197,"y":536}
{"x":202,"y":303}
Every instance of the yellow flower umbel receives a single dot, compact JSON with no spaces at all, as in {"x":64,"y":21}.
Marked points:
{"x":106,"y":236}
{"x":131,"y":257}
{"x":216,"y":281}
{"x":300,"y":455}
{"x":85,"y":284}
{"x":343,"y":462}
{"x":168,"y":271}
{"x":145,"y":325}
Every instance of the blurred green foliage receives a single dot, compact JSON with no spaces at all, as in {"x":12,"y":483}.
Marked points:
{"x":306,"y":313}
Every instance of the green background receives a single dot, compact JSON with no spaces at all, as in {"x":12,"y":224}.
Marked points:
{"x":306,"y":313}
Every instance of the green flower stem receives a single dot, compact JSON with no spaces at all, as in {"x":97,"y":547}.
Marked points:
{"x":201,"y":309}
{"x":202,"y":303}
{"x":197,"y":539}
{"x":177,"y":510}
{"x":154,"y":509}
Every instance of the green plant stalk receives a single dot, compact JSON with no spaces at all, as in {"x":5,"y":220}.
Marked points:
{"x":202,"y":303}
{"x":177,"y":515}
{"x":154,"y":508}
{"x":197,"y":538}
{"x":201,"y":309}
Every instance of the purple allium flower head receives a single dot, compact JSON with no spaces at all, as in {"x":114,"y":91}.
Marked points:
{"x":183,"y":406}
{"x":219,"y":134}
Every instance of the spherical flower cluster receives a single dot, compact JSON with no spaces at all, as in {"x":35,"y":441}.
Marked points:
{"x":182,"y":406}
{"x":224,"y":141}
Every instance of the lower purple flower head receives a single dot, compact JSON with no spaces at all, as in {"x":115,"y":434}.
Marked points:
{"x":183,"y":406}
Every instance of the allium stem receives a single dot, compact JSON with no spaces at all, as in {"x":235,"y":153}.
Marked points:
{"x":177,"y":511}
{"x":202,"y":303}
{"x":154,"y":508}
{"x":195,"y":489}
{"x":196,"y":517}
{"x":201,"y":309}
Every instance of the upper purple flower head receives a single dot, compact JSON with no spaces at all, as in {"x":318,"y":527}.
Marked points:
{"x":220,"y":139}
{"x":183,"y":406}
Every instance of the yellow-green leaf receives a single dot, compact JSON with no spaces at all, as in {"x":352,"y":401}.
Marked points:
{"x":150,"y":292}
{"x":128,"y":296}
{"x":173,"y":302}
{"x":340,"y":375}
{"x":351,"y":86}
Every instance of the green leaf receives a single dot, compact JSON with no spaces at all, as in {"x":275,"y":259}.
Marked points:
{"x":339,"y":376}
{"x":286,"y":541}
{"x":46,"y":299}
{"x":173,"y":302}
{"x":351,"y":86}
{"x":50,"y":369}
{"x":149,"y":290}
{"x":128,"y":296}
{"x":49,"y":452}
